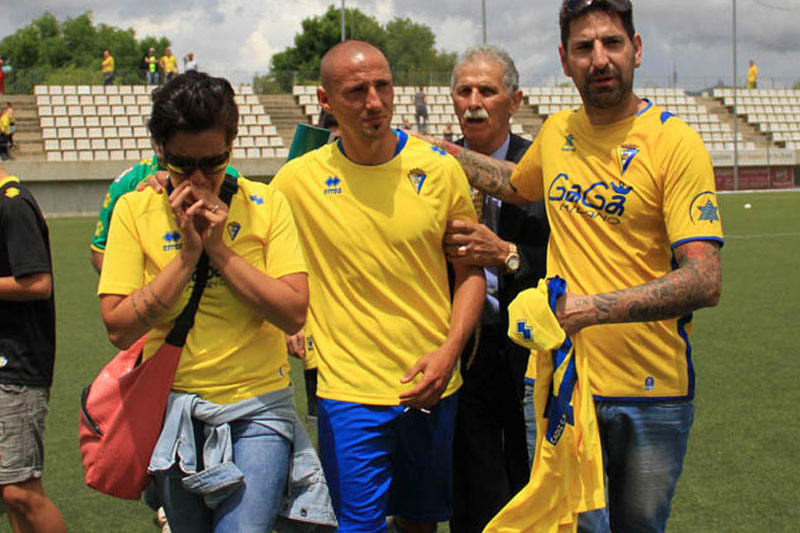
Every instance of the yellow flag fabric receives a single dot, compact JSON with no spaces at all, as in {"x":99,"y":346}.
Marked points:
{"x":567,"y":475}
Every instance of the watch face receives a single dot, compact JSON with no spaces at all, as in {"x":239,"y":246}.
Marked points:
{"x":512,"y":263}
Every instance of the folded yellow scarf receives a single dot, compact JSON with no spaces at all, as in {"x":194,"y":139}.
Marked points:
{"x":567,"y":475}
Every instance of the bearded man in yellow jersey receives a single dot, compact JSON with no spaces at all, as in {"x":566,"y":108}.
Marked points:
{"x":371,"y":211}
{"x":636,"y":233}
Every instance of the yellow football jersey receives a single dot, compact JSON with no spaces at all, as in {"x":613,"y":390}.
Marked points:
{"x":619,"y":198}
{"x":231,"y":353}
{"x":372,"y":236}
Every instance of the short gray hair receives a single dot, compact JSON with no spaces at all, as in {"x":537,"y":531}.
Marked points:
{"x":492,"y":53}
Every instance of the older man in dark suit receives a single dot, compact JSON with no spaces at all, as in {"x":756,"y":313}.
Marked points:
{"x":490,"y":457}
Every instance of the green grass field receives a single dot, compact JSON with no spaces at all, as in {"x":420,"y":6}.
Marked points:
{"x":740,"y":474}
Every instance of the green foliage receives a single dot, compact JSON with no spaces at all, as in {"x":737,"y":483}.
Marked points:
{"x":76,"y":43}
{"x":409,"y":46}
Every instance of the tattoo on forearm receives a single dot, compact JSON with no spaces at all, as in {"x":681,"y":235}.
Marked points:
{"x":153,"y":294}
{"x":492,"y":176}
{"x":139,"y":314}
{"x":695,"y":284}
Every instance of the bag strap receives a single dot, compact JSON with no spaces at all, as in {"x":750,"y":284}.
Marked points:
{"x":185,"y":321}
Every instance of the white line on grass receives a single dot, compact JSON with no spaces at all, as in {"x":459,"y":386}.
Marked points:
{"x":764,"y":235}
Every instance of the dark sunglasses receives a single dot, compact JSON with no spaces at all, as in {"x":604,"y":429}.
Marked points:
{"x":208,"y":165}
{"x":574,"y":7}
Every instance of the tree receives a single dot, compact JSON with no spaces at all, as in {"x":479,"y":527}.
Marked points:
{"x":75,"y":43}
{"x":320,"y":33}
{"x":409,"y":47}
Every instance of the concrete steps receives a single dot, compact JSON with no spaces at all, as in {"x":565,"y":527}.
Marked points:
{"x":285,"y":113}
{"x":529,"y":119}
{"x":28,"y":137}
{"x":749,"y":133}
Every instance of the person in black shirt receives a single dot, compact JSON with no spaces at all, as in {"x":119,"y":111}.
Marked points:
{"x":27,"y":354}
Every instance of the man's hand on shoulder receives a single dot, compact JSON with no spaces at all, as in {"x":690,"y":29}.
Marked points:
{"x":157,"y":181}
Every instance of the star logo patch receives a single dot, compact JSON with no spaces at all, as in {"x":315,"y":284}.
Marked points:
{"x":704,"y":208}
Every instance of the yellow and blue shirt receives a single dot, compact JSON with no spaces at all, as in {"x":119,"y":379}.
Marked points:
{"x":372,"y":236}
{"x":231,"y":353}
{"x":619,"y":198}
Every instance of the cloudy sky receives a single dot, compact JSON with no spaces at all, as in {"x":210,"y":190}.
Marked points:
{"x":693,"y":37}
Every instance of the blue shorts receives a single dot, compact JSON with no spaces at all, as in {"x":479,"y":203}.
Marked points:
{"x":386,"y":460}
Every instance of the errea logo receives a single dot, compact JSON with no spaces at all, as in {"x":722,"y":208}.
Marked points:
{"x":172,"y":238}
{"x":332,"y":185}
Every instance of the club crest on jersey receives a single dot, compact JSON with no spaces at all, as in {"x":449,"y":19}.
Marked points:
{"x":3,"y":361}
{"x":233,"y":229}
{"x":626,"y":153}
{"x":11,"y":192}
{"x":417,"y":177}
{"x":704,"y":208}
{"x":332,"y":185}
{"x":569,"y":143}
{"x":258,"y":200}
{"x":172,"y":238}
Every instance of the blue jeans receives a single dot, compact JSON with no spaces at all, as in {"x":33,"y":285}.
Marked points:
{"x":530,"y":420}
{"x":643,"y":449}
{"x":263,"y":457}
{"x":152,"y":78}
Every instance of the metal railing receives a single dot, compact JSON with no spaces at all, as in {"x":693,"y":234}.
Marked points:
{"x":22,"y":81}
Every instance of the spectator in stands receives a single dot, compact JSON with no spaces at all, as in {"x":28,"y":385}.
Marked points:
{"x":27,"y":337}
{"x":421,"y":110}
{"x":151,"y":64}
{"x":636,"y":233}
{"x":169,"y":65}
{"x":189,"y":62}
{"x":490,"y":458}
{"x":12,"y":123}
{"x":752,"y":75}
{"x":107,"y":68}
{"x":5,"y":134}
{"x":448,"y":132}
{"x":386,"y":335}
{"x":232,"y":381}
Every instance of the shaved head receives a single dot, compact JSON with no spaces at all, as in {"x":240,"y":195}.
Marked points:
{"x":346,"y":53}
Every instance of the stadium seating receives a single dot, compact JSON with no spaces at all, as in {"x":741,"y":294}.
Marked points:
{"x":545,"y":101}
{"x":775,"y":112}
{"x":440,"y":106}
{"x":96,"y":123}
{"x":716,"y":135}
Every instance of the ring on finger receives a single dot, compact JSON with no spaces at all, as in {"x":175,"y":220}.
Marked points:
{"x":462,"y":250}
{"x":214,"y":208}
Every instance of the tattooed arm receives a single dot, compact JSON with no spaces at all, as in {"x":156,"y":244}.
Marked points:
{"x":696,"y":283}
{"x":490,"y":175}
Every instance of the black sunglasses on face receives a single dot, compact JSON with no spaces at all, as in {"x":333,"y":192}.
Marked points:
{"x":208,"y":165}
{"x":576,"y":6}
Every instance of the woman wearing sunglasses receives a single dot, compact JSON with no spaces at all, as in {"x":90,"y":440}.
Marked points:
{"x":222,"y":461}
